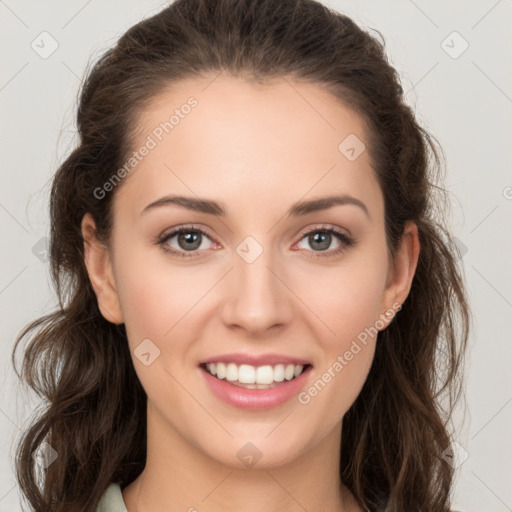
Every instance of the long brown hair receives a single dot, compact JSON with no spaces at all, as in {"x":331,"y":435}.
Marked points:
{"x":94,"y":418}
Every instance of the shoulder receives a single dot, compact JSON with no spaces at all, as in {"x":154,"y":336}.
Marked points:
{"x":112,"y":500}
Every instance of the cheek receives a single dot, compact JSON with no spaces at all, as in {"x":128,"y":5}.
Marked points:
{"x":344,"y":300}
{"x":336,"y":386}
{"x":347,"y":347}
{"x":155,"y":295}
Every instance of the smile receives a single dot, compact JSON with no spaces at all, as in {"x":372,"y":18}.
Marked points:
{"x":255,"y":387}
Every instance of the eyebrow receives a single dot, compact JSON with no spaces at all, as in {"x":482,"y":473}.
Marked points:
{"x":298,"y":209}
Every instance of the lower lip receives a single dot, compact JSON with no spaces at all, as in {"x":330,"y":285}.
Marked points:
{"x":255,"y":399}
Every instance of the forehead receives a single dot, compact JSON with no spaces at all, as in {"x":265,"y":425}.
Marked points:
{"x":256,"y":144}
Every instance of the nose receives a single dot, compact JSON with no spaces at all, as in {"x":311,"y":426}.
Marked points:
{"x":259,"y":299}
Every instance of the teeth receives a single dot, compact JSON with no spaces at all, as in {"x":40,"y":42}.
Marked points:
{"x":264,"y":374}
{"x":231,"y":372}
{"x":279,"y":372}
{"x":252,"y":376}
{"x":247,"y":374}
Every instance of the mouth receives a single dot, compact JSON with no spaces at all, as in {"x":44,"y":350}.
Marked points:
{"x":255,"y":388}
{"x":255,"y":377}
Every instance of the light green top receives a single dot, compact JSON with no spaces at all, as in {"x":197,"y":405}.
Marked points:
{"x":112,"y":500}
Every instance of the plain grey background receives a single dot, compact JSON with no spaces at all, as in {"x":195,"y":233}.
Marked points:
{"x":454,"y":59}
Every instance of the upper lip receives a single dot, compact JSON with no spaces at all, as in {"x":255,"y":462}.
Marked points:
{"x":256,"y":360}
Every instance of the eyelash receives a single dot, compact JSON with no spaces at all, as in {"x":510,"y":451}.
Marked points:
{"x":346,"y":241}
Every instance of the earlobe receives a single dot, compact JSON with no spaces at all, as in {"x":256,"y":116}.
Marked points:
{"x":402,"y":269}
{"x":99,"y":268}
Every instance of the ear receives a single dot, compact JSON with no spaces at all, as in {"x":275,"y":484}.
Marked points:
{"x":99,"y":267}
{"x":401,"y":272}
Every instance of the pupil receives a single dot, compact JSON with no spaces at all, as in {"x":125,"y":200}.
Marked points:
{"x":326,"y":239}
{"x":188,"y":238}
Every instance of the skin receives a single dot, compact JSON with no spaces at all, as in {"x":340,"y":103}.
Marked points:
{"x":257,"y":149}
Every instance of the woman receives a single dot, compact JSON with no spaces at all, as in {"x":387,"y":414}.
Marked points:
{"x":259,"y":298}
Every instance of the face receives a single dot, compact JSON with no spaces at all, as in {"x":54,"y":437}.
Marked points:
{"x":260,"y":278}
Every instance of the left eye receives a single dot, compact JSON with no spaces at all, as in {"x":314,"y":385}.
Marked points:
{"x":321,"y":239}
